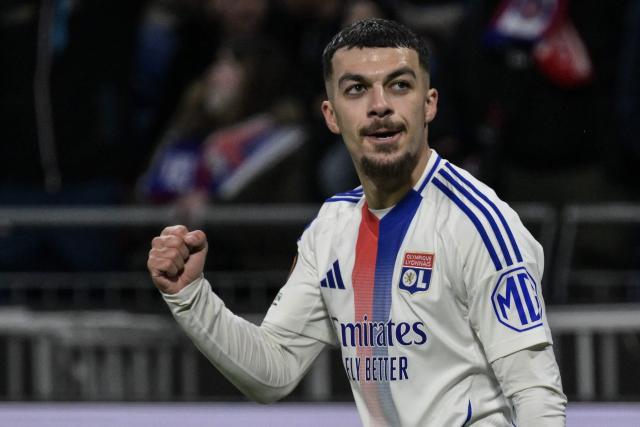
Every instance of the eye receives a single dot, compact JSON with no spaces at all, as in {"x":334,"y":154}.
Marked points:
{"x":355,"y":89}
{"x":400,"y":85}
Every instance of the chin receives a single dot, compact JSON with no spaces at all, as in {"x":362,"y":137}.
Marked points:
{"x":388,"y":166}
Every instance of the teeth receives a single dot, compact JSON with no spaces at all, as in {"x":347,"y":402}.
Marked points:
{"x":384,"y":135}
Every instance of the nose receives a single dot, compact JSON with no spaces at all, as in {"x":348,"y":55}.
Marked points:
{"x":379,"y":105}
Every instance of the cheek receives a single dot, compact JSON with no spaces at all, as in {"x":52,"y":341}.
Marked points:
{"x":346,"y":121}
{"x":421,"y":115}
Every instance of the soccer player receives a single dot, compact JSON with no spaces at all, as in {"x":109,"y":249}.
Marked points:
{"x":428,"y":282}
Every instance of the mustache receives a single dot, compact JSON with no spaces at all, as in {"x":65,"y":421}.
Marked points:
{"x":379,"y":124}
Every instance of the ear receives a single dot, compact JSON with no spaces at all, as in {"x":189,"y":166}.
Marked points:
{"x":430,"y":105}
{"x":330,"y":117}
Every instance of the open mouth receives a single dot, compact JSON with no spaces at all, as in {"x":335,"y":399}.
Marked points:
{"x":384,"y":135}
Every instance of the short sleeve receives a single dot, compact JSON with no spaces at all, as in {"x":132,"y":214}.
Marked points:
{"x":299,"y":306}
{"x":502,"y":274}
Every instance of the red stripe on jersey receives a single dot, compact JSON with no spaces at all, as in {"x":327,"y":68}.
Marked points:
{"x":364,"y":269}
{"x":362,"y":279}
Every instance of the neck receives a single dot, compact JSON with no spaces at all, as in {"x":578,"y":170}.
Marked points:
{"x":381,"y":194}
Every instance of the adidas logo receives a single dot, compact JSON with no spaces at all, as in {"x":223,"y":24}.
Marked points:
{"x":333,"y":278}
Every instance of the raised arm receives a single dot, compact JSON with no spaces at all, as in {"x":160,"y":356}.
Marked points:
{"x":265,"y":362}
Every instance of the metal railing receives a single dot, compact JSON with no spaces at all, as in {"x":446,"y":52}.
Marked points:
{"x":263,"y":215}
{"x":132,"y":216}
{"x":112,"y":355}
{"x":574,"y":216}
{"x":93,"y":355}
{"x":245,"y":292}
{"x":583,"y":324}
{"x":556,"y":230}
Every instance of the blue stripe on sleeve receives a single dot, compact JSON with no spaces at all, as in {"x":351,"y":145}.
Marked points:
{"x":493,"y":206}
{"x":485,"y":212}
{"x":474,"y":219}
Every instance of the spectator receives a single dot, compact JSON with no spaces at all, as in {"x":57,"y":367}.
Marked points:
{"x":533,"y":116}
{"x":234,"y":124}
{"x":175,"y":43}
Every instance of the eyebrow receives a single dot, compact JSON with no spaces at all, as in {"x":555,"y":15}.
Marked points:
{"x":351,"y":76}
{"x":399,"y":72}
{"x":361,"y":79}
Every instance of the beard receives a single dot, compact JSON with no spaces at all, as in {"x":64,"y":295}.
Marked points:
{"x":390,"y":173}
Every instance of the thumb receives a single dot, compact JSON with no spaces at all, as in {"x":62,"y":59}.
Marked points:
{"x":196,"y":241}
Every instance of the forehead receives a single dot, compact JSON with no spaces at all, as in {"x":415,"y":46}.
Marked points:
{"x":373,"y":62}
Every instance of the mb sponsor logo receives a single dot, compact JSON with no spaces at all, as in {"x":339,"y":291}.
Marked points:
{"x":515,"y":300}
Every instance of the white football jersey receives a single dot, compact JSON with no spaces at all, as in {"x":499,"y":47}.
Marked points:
{"x":420,"y":301}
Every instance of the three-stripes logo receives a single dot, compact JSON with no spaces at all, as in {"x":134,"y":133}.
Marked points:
{"x":333,"y":278}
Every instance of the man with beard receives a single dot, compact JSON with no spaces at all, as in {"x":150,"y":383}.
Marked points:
{"x":426,"y":280}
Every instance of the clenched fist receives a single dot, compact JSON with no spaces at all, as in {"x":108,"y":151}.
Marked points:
{"x":177,"y":258}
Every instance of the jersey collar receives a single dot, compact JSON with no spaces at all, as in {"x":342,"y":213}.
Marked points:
{"x":432,"y":166}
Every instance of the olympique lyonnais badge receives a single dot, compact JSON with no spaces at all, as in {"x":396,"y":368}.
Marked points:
{"x":416,"y":271}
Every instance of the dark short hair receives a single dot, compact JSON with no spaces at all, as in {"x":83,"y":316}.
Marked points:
{"x":374,"y":32}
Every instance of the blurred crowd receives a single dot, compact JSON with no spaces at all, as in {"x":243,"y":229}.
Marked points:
{"x":199,"y":102}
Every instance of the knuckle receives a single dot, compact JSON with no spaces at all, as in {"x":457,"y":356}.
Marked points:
{"x":175,"y":230}
{"x":173,"y":253}
{"x":167,"y":241}
{"x":154,"y":263}
{"x":157,"y":241}
{"x":174,"y":241}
